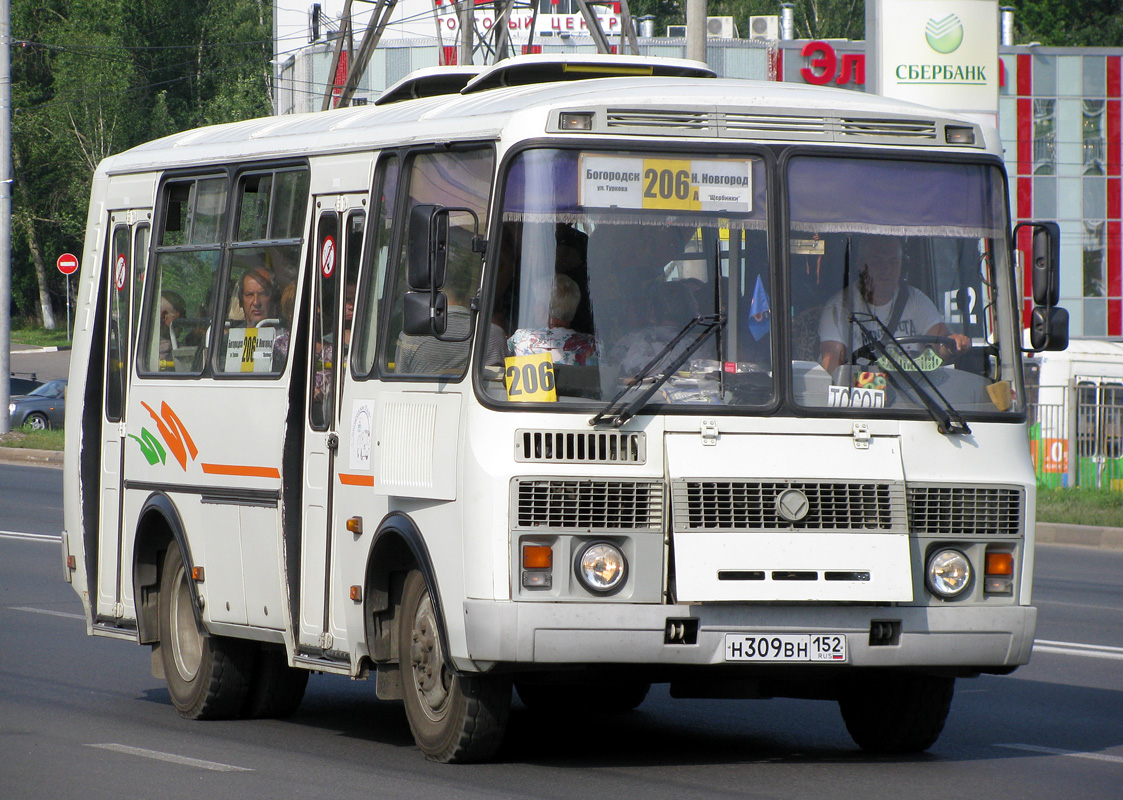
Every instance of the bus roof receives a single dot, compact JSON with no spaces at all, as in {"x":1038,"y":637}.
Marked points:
{"x":691,"y":107}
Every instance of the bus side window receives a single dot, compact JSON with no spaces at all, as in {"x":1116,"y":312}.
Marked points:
{"x":262,"y":268}
{"x":374,"y":274}
{"x":182,"y":277}
{"x":457,"y":179}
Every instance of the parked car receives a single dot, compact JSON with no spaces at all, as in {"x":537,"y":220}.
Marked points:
{"x":22,"y":385}
{"x":43,"y":407}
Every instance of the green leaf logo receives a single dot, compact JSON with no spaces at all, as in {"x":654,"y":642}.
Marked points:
{"x":944,"y":35}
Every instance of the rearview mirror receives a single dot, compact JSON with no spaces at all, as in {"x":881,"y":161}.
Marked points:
{"x":1048,"y":329}
{"x":427,"y":247}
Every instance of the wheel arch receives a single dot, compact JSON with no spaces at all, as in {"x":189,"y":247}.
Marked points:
{"x":396,"y":548}
{"x":159,"y":525}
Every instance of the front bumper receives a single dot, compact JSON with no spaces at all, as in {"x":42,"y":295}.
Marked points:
{"x":960,"y":636}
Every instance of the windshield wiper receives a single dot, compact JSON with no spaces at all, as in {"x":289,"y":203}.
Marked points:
{"x":650,"y":378}
{"x":948,"y":420}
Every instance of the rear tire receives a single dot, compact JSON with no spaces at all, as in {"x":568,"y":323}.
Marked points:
{"x":454,"y":718}
{"x":208,"y":676}
{"x":276,"y":689}
{"x":895,"y":712}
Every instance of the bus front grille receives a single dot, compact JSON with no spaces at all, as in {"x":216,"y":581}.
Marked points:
{"x":965,"y":510}
{"x":587,"y":504}
{"x":736,"y":505}
{"x":580,"y":447}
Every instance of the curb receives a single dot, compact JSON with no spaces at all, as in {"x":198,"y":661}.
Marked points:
{"x":24,"y":455}
{"x":46,"y":349}
{"x":1081,"y":535}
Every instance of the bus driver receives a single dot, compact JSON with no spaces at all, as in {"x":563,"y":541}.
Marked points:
{"x":881,"y":293}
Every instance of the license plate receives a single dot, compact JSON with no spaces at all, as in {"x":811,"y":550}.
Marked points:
{"x":829,"y":647}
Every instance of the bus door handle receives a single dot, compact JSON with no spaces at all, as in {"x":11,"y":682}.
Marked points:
{"x":333,"y":442}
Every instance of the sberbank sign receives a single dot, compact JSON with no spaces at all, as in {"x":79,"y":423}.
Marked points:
{"x":941,"y":53}
{"x":944,"y":35}
{"x":942,"y":73}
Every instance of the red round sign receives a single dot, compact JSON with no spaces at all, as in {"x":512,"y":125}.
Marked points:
{"x":327,"y":256}
{"x":67,"y":263}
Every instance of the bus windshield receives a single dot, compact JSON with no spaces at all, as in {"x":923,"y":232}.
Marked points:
{"x":625,"y":269}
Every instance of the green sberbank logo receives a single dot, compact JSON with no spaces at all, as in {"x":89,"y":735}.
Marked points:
{"x":944,"y":35}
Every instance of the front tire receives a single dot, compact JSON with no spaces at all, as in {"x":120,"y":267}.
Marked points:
{"x":454,"y":718}
{"x":895,"y":712}
{"x":37,"y":421}
{"x":208,"y":676}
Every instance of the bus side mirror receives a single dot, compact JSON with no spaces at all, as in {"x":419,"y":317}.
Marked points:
{"x":425,"y":313}
{"x":427,"y":247}
{"x":1048,"y":329}
{"x":1046,"y":273}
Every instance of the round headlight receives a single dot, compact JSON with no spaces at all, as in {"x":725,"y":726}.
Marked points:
{"x":601,"y":567}
{"x":949,"y":573}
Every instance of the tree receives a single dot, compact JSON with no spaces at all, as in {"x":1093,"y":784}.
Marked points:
{"x":95,"y":77}
{"x":1062,"y":23}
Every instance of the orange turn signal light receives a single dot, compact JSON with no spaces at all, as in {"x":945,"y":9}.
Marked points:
{"x":198,"y":575}
{"x":538,"y":556}
{"x":1000,"y":563}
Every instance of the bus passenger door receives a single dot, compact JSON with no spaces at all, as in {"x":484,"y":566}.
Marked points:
{"x":123,"y":268}
{"x":338,"y":246}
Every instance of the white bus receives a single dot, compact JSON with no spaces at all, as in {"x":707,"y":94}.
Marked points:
{"x":516,"y":379}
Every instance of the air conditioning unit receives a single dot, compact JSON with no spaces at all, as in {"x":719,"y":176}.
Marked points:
{"x":721,"y":28}
{"x":676,"y":31}
{"x":766,"y":27}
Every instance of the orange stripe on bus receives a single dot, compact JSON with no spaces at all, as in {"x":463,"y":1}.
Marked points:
{"x":242,"y":471}
{"x":356,"y":480}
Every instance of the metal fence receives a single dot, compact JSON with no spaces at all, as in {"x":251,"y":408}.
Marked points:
{"x":1085,"y":420}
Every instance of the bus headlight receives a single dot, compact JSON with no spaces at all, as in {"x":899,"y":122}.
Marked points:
{"x":601,"y":567}
{"x":948,"y":573}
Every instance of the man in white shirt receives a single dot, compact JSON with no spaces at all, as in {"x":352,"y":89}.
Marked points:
{"x":877,"y":292}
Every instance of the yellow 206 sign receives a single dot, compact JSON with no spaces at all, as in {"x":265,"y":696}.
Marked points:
{"x":670,"y":184}
{"x":530,"y":379}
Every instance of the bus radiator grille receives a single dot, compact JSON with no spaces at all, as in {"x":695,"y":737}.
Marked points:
{"x":735,"y":505}
{"x":965,"y":510}
{"x":587,"y":504}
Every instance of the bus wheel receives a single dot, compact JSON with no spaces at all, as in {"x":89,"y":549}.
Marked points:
{"x":207,"y":676}
{"x":615,"y":697}
{"x":895,"y":712}
{"x":454,"y":718}
{"x":276,"y":689}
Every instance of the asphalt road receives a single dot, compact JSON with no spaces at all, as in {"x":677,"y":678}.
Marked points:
{"x":82,"y":717}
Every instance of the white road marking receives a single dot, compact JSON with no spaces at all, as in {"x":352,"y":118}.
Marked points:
{"x":1054,"y":751}
{"x":49,"y":612}
{"x":214,"y":766}
{"x":1077,"y":649}
{"x":34,"y":537}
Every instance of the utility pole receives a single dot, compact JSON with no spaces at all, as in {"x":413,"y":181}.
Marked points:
{"x":696,"y":30}
{"x":5,"y":210}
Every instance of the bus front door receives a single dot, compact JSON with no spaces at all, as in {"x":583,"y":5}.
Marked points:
{"x":123,"y":268}
{"x":338,"y":247}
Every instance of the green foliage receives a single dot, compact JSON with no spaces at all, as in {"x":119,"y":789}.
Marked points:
{"x":1063,"y":23}
{"x":1081,"y":506}
{"x":27,"y":439}
{"x":94,"y":77}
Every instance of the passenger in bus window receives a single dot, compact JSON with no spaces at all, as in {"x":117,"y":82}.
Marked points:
{"x":172,"y":307}
{"x":667,"y":308}
{"x":876,"y":290}
{"x":258,"y":297}
{"x":566,"y":345}
{"x":428,"y":355}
